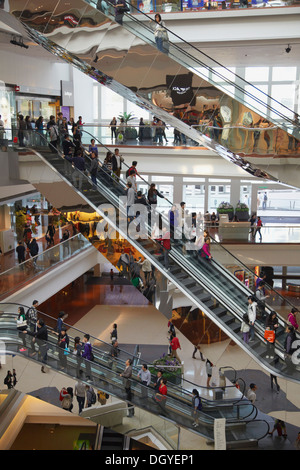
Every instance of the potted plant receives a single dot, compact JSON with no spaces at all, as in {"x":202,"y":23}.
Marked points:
{"x":130,"y":132}
{"x":242,"y":211}
{"x":226,"y":208}
{"x":171,"y":367}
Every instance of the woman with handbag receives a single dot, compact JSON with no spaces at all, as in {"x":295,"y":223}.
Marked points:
{"x":160,"y":34}
{"x":120,"y":8}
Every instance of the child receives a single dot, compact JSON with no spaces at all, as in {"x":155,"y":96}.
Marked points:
{"x":245,"y":328}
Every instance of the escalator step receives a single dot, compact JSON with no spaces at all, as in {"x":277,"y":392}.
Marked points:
{"x":196,"y":290}
{"x":220,"y":311}
{"x":187,"y":282}
{"x":228,"y":319}
{"x":209,"y":304}
{"x":204,"y":297}
{"x":115,"y":447}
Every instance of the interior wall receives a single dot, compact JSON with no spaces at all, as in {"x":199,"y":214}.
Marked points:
{"x":34,"y":72}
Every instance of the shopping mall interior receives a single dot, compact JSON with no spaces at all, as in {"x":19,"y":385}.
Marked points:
{"x":156,"y":255}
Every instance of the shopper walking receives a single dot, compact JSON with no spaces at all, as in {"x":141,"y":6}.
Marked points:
{"x":80,"y":390}
{"x":208,"y":366}
{"x":196,"y":407}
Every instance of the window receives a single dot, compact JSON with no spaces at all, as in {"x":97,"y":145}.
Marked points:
{"x":193,"y":196}
{"x":280,"y":74}
{"x":257,"y":74}
{"x":111,"y":101}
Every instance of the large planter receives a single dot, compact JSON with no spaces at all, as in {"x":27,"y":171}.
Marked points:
{"x":228,"y":211}
{"x":131,"y":133}
{"x":242,"y":215}
{"x":171,"y":368}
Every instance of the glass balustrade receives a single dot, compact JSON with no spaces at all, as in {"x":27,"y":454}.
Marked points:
{"x":176,"y":6}
{"x":209,"y":69}
{"x":170,"y":84}
{"x":22,"y":274}
{"x":104,"y":374}
{"x":217,"y":291}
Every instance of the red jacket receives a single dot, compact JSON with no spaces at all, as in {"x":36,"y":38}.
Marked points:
{"x":163,"y":389}
{"x":175,"y":343}
{"x":165,"y":241}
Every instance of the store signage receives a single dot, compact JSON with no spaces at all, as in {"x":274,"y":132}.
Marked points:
{"x":67,"y":93}
{"x":17,"y":88}
{"x":181,"y":89}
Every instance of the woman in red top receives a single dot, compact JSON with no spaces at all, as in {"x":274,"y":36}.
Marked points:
{"x":163,"y":387}
{"x":205,"y":250}
{"x":292,"y":319}
{"x":166,"y":245}
{"x":175,"y":344}
{"x":161,"y":396}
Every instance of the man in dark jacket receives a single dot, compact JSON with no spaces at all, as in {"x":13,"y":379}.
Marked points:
{"x":78,"y":164}
{"x":68,"y":149}
{"x":117,"y":161}
{"x":20,"y":252}
{"x":94,"y":165}
{"x":33,"y":249}
{"x":87,"y":354}
{"x":63,"y":345}
{"x":127,"y":374}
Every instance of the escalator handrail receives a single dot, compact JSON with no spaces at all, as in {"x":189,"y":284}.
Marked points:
{"x":218,"y":244}
{"x":44,"y":157}
{"x":181,"y":399}
{"x":40,"y":254}
{"x":174,"y":387}
{"x":185,"y":407}
{"x":104,"y":342}
{"x":216,"y":62}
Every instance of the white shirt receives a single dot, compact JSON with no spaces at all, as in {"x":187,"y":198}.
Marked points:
{"x":252,"y":312}
{"x":145,"y":376}
{"x":251,"y":395}
{"x":80,"y":389}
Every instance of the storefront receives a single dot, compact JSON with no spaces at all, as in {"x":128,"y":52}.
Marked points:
{"x":151,"y":6}
{"x":36,"y":106}
{"x":28,"y":101}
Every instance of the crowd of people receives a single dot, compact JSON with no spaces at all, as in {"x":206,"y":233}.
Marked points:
{"x":34,"y":334}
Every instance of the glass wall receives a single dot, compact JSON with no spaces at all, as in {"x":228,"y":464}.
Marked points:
{"x":36,"y":106}
{"x":218,"y":192}
{"x":278,"y":203}
{"x":194,"y":196}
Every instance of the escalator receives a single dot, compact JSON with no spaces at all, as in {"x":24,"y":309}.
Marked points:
{"x":209,"y":286}
{"x":111,"y":440}
{"x":125,"y":59}
{"x":243,"y":421}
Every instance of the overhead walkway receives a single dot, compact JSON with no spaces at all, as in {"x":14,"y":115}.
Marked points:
{"x":168,"y":84}
{"x":244,"y":424}
{"x":213,"y":286}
